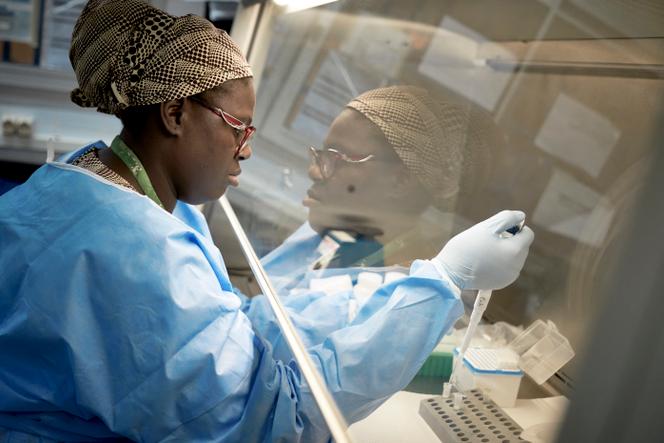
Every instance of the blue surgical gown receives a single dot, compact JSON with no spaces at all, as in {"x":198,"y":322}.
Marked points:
{"x":315,"y":314}
{"x":118,"y":320}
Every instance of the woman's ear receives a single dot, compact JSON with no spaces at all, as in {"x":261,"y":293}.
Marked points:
{"x":172,"y":112}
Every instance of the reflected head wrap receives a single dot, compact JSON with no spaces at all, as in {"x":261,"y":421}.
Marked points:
{"x":439,"y":142}
{"x":127,"y":53}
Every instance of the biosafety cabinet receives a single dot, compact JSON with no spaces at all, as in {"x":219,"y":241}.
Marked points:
{"x":553,"y":107}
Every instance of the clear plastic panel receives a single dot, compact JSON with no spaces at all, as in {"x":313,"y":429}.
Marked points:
{"x":386,"y":127}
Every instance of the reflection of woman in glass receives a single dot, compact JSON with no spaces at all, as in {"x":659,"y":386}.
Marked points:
{"x":392,"y":154}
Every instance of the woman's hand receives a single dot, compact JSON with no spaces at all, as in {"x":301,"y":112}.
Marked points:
{"x":481,"y":258}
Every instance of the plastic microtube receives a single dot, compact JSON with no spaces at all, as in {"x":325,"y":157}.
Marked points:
{"x":458,"y":400}
{"x":447,"y":389}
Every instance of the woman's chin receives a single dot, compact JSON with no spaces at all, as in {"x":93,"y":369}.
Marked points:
{"x":323,"y":221}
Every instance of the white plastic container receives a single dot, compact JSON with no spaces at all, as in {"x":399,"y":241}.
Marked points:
{"x":394,"y":276}
{"x":332,"y":285}
{"x":543,"y":350}
{"x":367,"y":283}
{"x":493,"y":371}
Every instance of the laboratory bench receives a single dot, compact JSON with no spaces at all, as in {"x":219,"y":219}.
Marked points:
{"x":538,"y":410}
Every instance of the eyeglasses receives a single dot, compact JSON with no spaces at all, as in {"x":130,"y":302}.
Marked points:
{"x":234,"y":122}
{"x":326,"y":159}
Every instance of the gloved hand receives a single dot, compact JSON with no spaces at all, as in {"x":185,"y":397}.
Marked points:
{"x":479,"y":258}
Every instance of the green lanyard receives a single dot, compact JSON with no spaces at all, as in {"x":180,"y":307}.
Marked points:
{"x":136,"y":167}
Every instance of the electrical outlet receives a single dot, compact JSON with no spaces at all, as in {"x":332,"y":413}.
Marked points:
{"x":17,"y":126}
{"x":24,"y":128}
{"x":8,"y":127}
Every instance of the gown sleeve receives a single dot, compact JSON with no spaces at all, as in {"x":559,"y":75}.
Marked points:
{"x":379,"y":352}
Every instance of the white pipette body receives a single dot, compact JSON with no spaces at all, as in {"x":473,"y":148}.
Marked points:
{"x":481,"y":302}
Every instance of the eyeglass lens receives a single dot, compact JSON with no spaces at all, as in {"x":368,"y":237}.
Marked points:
{"x":248,"y":133}
{"x":325,"y":160}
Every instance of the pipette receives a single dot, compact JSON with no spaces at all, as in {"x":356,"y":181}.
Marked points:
{"x":481,"y":302}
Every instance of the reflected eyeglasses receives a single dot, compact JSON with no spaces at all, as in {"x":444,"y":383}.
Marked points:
{"x":326,"y":159}
{"x":234,"y":122}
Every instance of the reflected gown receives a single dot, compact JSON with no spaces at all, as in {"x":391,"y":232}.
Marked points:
{"x":118,"y":320}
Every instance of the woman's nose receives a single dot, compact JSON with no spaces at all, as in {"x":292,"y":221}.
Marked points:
{"x":245,"y":152}
{"x":314,"y":172}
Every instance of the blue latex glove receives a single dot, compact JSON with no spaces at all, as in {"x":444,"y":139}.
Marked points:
{"x":480,"y":258}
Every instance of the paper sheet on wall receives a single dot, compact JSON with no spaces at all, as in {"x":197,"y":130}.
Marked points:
{"x":18,"y":21}
{"x":452,"y":60}
{"x":371,"y":53}
{"x":377,"y":44}
{"x":337,"y":81}
{"x":578,"y":135}
{"x":572,"y":209}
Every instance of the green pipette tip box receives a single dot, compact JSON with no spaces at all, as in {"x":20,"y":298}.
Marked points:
{"x":438,"y":364}
{"x":440,"y":361}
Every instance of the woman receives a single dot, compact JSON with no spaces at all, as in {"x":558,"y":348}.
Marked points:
{"x":117,"y":317}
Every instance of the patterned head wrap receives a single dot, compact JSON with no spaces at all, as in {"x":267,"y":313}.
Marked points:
{"x":128,"y":53}
{"x":438,"y":142}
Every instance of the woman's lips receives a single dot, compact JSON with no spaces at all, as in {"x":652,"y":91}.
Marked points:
{"x":312,"y":199}
{"x":234,"y":179}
